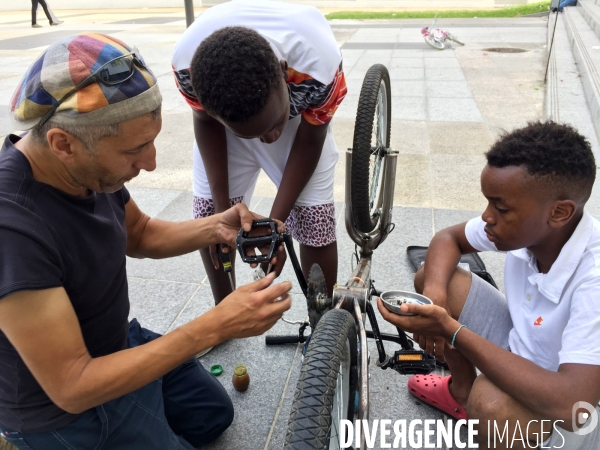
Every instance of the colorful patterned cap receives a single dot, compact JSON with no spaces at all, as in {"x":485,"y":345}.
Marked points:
{"x":67,"y":63}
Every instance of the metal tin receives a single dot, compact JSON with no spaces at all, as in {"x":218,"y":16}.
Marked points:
{"x":392,"y":300}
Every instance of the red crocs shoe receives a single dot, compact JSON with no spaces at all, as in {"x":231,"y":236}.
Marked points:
{"x":434,"y":390}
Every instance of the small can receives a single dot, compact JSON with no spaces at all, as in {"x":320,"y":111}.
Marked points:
{"x":240,"y":379}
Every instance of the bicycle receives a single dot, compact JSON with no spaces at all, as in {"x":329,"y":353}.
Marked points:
{"x":436,"y":37}
{"x":334,"y":382}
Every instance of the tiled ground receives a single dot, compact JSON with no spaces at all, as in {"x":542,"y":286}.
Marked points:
{"x":448,"y":107}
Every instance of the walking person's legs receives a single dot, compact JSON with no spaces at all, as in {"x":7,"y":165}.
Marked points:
{"x":34,"y":7}
{"x":45,"y":6}
{"x":51,"y":16}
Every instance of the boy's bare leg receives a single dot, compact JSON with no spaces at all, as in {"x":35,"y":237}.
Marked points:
{"x":492,"y":406}
{"x":463,"y":372}
{"x":218,"y":279}
{"x":482,"y":399}
{"x":326,"y":257}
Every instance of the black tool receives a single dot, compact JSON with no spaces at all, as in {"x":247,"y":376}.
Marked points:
{"x":226,"y":261}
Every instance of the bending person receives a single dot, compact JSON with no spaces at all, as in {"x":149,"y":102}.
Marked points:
{"x":263,"y":97}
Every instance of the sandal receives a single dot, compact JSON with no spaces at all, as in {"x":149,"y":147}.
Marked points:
{"x":434,"y":390}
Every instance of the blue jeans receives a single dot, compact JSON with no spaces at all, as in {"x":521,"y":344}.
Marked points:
{"x":564,"y":3}
{"x":184,"y":409}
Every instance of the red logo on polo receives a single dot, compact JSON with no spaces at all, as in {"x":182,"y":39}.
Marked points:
{"x":538,"y":322}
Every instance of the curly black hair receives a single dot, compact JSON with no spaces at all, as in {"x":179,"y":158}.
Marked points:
{"x":553,"y":152}
{"x":233,"y":72}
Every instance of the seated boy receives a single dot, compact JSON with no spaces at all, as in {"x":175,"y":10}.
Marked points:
{"x":538,"y":347}
{"x":264,"y":80}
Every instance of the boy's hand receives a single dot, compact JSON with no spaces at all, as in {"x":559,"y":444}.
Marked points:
{"x":430,"y":321}
{"x":252,"y":309}
{"x":433,"y":345}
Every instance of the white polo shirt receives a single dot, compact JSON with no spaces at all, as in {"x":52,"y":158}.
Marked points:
{"x":556,"y":316}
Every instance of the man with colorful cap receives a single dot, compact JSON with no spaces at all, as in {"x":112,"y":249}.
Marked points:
{"x":74,"y":373}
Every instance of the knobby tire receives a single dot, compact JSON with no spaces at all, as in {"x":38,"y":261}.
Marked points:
{"x":362,"y":145}
{"x":310,"y":421}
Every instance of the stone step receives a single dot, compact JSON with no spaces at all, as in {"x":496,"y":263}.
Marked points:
{"x":590,"y":11}
{"x":565,"y":93}
{"x":585,"y":44}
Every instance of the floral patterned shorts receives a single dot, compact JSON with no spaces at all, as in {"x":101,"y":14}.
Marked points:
{"x":313,"y":226}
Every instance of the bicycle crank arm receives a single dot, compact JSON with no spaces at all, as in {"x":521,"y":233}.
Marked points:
{"x":392,"y":338}
{"x":289,"y":245}
{"x":280,"y":340}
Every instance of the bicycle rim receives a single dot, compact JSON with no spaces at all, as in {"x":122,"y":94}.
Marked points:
{"x":432,"y":42}
{"x":341,"y":398}
{"x":378,"y":148}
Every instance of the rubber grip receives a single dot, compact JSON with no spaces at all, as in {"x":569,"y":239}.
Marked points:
{"x":278,"y":340}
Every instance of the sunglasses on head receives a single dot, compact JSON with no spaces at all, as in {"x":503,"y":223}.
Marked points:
{"x":113,"y":72}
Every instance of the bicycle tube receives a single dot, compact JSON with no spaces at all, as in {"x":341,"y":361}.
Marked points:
{"x":455,"y":39}
{"x":315,"y":417}
{"x":373,"y":116}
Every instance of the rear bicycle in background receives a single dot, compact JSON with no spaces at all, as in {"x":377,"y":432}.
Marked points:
{"x":334,"y":378}
{"x":436,"y":37}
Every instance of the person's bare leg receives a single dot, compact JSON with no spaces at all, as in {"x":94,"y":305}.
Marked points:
{"x":218,"y":279}
{"x":463,"y":372}
{"x":326,"y":257}
{"x":497,"y":412}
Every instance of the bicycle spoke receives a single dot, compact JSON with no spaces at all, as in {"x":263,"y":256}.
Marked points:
{"x":379,"y":135}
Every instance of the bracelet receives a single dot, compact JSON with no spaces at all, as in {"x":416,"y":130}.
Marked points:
{"x":455,"y":333}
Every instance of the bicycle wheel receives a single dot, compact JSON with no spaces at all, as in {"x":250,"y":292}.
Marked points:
{"x":432,"y":42}
{"x":326,"y":390}
{"x":371,"y":140}
{"x":455,"y":39}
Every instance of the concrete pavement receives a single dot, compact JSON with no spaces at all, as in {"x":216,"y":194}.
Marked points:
{"x":448,"y":107}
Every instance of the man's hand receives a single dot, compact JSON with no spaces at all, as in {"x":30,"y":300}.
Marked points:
{"x":252,"y":309}
{"x":432,"y":324}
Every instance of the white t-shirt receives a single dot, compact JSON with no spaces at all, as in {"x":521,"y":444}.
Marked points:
{"x":297,"y":33}
{"x":556,"y":316}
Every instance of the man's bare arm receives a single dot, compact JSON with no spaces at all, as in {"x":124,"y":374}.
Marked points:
{"x":44,"y":329}
{"x":301,"y":164}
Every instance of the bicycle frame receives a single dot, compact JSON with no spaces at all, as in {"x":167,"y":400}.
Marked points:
{"x":355,"y":294}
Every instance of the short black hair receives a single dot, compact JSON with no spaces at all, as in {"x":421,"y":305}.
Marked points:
{"x":553,"y":152}
{"x":233,"y":73}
